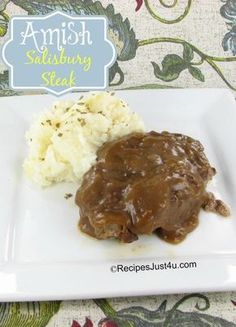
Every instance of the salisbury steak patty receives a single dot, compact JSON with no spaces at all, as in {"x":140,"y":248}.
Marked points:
{"x":143,"y":183}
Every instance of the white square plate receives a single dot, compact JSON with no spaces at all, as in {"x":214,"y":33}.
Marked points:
{"x":44,"y":256}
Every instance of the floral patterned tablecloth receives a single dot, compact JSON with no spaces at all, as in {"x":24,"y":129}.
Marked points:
{"x":160,"y":44}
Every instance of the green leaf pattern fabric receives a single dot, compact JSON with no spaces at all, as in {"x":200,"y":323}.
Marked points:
{"x":28,"y":314}
{"x":159,"y":43}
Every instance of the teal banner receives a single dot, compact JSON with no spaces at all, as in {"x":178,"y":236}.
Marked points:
{"x":59,"y":53}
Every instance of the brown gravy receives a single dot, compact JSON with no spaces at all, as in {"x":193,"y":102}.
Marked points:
{"x":145,"y":183}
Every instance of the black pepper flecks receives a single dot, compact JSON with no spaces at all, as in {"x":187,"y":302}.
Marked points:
{"x":68,"y":195}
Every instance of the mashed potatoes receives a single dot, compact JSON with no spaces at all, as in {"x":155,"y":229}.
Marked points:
{"x":63,"y":141}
